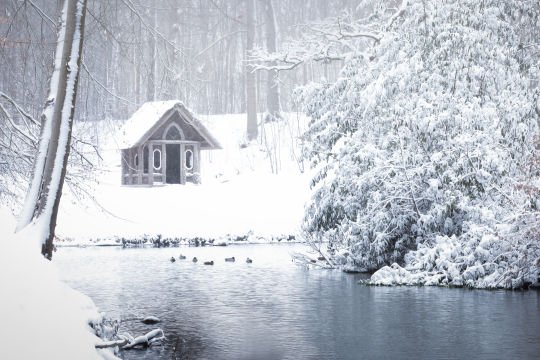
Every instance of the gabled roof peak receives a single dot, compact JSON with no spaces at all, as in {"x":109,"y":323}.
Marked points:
{"x":140,"y":125}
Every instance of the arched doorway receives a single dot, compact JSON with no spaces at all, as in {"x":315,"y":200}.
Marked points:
{"x":173,"y":162}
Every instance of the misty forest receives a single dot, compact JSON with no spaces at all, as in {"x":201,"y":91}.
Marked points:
{"x":270,"y":179}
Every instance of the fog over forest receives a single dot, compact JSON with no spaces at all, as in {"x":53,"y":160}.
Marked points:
{"x":137,"y":51}
{"x":269,"y":179}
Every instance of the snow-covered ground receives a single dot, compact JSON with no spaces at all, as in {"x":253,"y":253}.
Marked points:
{"x":43,"y":317}
{"x":240,"y":191}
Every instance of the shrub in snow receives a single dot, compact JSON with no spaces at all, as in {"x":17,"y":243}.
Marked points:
{"x":420,"y":145}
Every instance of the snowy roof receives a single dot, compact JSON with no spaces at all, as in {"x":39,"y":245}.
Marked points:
{"x":150,"y":115}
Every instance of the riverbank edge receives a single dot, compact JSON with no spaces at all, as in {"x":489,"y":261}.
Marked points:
{"x":525,"y":287}
{"x":426,"y":276}
{"x":159,"y":241}
{"x":147,"y":241}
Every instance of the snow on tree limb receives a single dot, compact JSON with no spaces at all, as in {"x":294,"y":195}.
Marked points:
{"x":29,"y":207}
{"x":419,"y":147}
{"x":332,"y":40}
{"x":42,"y":202}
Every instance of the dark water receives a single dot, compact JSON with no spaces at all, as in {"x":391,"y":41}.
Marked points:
{"x":272,"y":309}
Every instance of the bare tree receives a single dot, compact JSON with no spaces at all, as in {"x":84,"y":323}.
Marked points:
{"x":272,"y":87}
{"x":151,"y":93}
{"x":43,"y":198}
{"x":251,"y":96}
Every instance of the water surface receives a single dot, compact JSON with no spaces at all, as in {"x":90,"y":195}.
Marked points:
{"x":273,"y":309}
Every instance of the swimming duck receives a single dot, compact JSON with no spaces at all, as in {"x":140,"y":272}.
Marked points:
{"x":209,"y":262}
{"x":182,"y":257}
{"x":173,"y":259}
{"x":195,"y":259}
{"x":232,"y":259}
{"x":249,"y":261}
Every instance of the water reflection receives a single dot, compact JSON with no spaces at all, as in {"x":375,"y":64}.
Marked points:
{"x":272,"y":309}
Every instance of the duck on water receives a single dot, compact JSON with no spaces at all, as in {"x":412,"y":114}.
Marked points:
{"x":230,"y":259}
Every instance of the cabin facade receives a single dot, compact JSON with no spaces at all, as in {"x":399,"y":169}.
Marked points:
{"x":162,"y":143}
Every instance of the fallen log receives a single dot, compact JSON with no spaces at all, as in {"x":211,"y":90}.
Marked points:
{"x":110,"y":344}
{"x":145,"y":340}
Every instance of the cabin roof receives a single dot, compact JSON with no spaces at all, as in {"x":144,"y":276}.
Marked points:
{"x":142,"y":124}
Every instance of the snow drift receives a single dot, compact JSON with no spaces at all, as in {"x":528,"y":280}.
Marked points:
{"x":42,"y":317}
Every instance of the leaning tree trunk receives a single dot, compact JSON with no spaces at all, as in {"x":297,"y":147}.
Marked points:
{"x":272,"y":88}
{"x":43,"y":198}
{"x":251,"y":92}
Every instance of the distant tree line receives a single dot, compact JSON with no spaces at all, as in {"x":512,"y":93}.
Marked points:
{"x":192,"y":50}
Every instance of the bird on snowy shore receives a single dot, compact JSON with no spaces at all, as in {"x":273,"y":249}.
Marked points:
{"x":209,"y":262}
{"x":182,"y":257}
{"x":249,"y":261}
{"x":231,"y":259}
{"x":173,"y":259}
{"x":195,"y":259}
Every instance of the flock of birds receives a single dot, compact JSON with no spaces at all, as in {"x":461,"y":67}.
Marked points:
{"x":231,"y":259}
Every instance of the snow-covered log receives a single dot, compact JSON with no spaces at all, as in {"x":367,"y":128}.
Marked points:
{"x":146,"y":339}
{"x":111,"y":344}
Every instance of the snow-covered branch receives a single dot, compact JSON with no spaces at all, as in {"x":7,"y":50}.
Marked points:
{"x":419,"y":154}
{"x":332,"y":40}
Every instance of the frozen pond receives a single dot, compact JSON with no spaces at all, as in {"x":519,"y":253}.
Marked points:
{"x":272,"y":309}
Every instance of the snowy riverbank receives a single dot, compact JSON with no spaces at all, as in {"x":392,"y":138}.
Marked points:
{"x":249,"y":193}
{"x":481,"y":263}
{"x":241,"y":191}
{"x":43,"y":317}
{"x":159,"y":241}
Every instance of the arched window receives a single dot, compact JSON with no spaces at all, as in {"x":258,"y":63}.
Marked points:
{"x":136,"y":161}
{"x":173,"y":132}
{"x":145,"y":159}
{"x":157,"y":159}
{"x":189,"y":159}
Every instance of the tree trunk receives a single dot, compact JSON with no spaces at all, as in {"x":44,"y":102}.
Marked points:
{"x":251,"y":91}
{"x":137,"y":68}
{"x":272,"y":85}
{"x":43,"y":198}
{"x":151,"y":92}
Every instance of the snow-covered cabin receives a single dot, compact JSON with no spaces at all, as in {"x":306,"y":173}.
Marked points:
{"x":162,"y":142}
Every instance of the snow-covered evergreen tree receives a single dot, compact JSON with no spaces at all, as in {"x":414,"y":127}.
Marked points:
{"x":421,"y":143}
